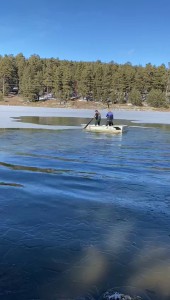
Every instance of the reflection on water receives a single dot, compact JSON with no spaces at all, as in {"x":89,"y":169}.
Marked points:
{"x":62,"y":121}
{"x":73,"y":121}
{"x":82,"y":213}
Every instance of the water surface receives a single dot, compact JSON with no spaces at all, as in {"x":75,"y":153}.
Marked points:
{"x":84,"y":212}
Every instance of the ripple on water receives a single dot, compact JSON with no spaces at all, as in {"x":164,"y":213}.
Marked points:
{"x":83,"y":213}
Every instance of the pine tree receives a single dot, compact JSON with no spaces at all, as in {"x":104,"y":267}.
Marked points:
{"x":87,"y":82}
{"x":98,"y":82}
{"x":67,"y":83}
{"x":8,"y":74}
{"x":135,"y":97}
{"x":156,"y":98}
{"x":58,"y":83}
{"x":20,"y":62}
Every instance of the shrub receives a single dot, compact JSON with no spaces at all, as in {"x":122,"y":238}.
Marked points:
{"x":135,"y":97}
{"x":156,"y":98}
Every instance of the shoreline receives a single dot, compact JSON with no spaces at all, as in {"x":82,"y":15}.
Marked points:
{"x":8,"y":113}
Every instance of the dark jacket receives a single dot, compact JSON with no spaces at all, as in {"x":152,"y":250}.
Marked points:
{"x":97,"y":115}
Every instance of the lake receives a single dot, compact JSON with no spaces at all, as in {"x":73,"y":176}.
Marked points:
{"x":82,"y":212}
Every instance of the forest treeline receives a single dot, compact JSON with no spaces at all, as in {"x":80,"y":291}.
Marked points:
{"x":34,"y":77}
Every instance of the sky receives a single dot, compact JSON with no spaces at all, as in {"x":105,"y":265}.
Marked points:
{"x":134,"y":31}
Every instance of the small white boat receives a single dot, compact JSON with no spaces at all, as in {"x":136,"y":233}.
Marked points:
{"x":107,"y":129}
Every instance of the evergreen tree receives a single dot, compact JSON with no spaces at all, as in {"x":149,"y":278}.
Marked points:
{"x":139,"y":80}
{"x":20,"y":62}
{"x":160,"y":78}
{"x":58,"y":83}
{"x":93,"y":80}
{"x":67,"y":83}
{"x":78,"y":78}
{"x":149,"y":72}
{"x":135,"y":97}
{"x":31,"y":83}
{"x":156,"y":98}
{"x":107,"y":82}
{"x":98,"y":82}
{"x":87,"y":82}
{"x":49,"y":69}
{"x":8,"y":74}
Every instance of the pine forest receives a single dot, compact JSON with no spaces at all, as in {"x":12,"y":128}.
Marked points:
{"x":34,"y":78}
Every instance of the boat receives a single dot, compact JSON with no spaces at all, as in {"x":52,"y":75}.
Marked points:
{"x":114,"y":129}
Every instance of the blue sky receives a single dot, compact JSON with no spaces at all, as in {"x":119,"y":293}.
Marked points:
{"x":136,"y":31}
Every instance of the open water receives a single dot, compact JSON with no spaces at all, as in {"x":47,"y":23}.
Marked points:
{"x":81,"y":213}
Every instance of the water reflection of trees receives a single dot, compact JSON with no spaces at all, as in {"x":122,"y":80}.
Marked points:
{"x":128,"y":256}
{"x":61,"y":121}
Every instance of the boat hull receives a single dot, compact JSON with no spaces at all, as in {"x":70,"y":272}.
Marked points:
{"x":107,"y":129}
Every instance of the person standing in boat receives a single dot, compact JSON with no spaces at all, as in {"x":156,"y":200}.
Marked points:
{"x":110,"y":118}
{"x":97,"y":117}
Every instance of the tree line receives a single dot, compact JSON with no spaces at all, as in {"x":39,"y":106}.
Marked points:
{"x":34,"y":77}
